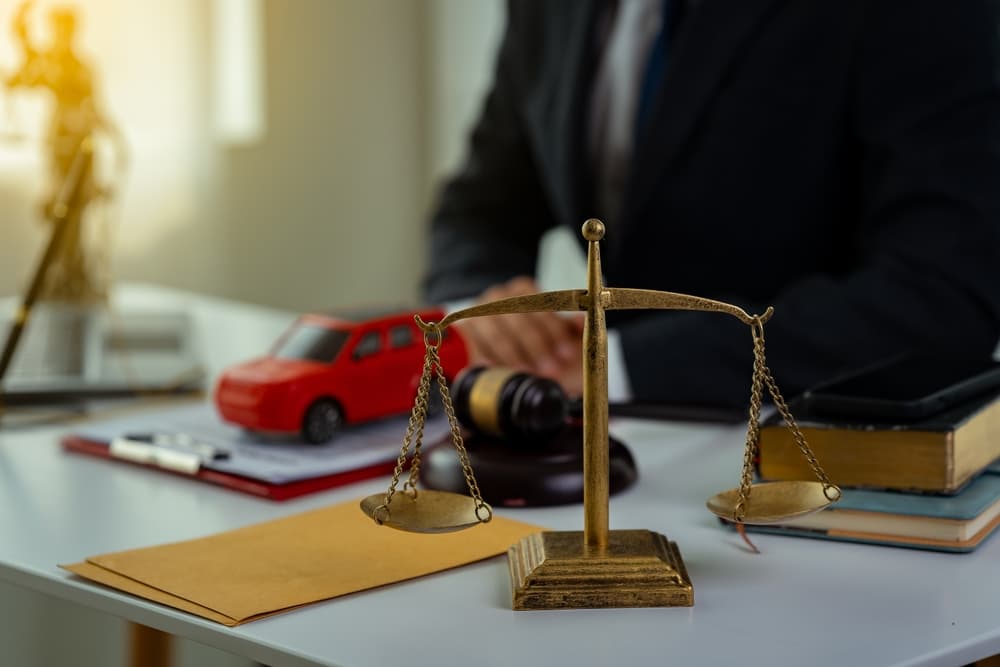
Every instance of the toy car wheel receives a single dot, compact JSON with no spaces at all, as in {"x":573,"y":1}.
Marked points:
{"x":321,"y":421}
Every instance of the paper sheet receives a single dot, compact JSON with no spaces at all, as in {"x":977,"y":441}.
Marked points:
{"x":269,"y":459}
{"x":252,"y":572}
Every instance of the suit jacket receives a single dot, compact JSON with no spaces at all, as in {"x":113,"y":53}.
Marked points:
{"x":838,"y":159}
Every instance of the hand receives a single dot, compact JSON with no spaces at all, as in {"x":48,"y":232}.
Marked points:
{"x":545,"y":344}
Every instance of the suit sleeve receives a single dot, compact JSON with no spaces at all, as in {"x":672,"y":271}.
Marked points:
{"x":925,"y":113}
{"x":491,"y":215}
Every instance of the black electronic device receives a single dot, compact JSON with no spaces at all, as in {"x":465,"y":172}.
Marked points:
{"x":522,"y":443}
{"x":906,"y":387}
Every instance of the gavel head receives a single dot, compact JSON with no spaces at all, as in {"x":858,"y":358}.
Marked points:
{"x":505,"y":403}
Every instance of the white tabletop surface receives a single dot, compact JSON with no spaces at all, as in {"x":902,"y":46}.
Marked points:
{"x":799,"y":602}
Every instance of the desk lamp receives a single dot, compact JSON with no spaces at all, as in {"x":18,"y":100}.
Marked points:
{"x":595,"y":567}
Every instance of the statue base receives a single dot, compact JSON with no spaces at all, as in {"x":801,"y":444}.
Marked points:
{"x":637,"y":568}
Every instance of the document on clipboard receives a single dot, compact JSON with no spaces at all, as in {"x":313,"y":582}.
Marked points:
{"x":193,"y":440}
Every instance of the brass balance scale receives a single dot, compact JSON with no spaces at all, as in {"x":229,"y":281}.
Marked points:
{"x":595,"y":567}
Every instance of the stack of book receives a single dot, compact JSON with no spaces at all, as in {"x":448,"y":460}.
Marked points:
{"x":931,"y":482}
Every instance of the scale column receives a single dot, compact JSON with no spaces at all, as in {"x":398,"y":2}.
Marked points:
{"x":596,"y":568}
{"x":595,"y":397}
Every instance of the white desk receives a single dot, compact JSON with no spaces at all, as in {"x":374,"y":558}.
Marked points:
{"x":800,"y":602}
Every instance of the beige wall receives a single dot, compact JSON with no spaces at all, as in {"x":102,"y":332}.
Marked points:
{"x":327,"y":209}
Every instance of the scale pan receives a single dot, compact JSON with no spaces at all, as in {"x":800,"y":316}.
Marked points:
{"x":428,"y":512}
{"x":773,"y":502}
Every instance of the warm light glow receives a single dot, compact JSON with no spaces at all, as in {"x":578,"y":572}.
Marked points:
{"x":238,"y":86}
{"x":152,"y":68}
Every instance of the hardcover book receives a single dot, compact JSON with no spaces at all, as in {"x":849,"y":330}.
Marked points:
{"x":935,"y":454}
{"x":958,"y":522}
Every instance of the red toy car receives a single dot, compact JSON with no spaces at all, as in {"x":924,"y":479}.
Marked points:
{"x":329,"y":370}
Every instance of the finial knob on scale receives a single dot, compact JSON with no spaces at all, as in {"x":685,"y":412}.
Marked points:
{"x":593,"y":230}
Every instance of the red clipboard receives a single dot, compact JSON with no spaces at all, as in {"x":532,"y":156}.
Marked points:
{"x":254,"y":487}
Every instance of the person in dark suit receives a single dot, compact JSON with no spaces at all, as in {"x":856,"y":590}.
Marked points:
{"x":837,"y":159}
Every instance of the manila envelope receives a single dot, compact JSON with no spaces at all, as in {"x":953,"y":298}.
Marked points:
{"x":256,"y":571}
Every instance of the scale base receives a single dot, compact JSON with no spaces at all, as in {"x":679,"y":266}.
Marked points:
{"x":637,"y":568}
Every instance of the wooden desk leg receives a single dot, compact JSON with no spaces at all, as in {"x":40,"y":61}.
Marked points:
{"x":148,"y":647}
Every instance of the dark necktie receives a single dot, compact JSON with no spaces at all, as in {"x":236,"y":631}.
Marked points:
{"x":616,"y":98}
{"x":656,"y":65}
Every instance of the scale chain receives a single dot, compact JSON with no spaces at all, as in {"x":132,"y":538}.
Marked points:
{"x":463,"y":455}
{"x":415,"y":431}
{"x":432,"y":361}
{"x":753,"y":421}
{"x":830,"y":490}
{"x":762,"y":377}
{"x":418,"y":417}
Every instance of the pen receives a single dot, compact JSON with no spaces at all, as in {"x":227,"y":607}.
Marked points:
{"x":181,"y":441}
{"x":148,"y":453}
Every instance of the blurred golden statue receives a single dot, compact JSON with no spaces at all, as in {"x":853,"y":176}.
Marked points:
{"x":78,"y":271}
